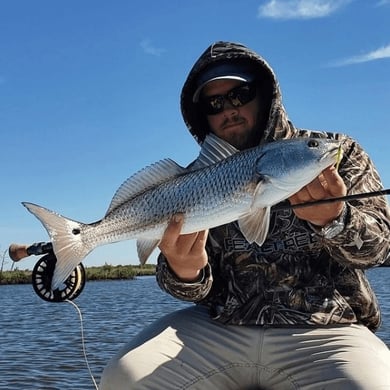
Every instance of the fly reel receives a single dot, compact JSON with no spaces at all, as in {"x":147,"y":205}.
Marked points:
{"x":42,"y":276}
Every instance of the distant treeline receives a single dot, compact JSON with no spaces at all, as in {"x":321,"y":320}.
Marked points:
{"x":104,"y":272}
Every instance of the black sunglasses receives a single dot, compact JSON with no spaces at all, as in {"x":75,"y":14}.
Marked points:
{"x":237,"y":97}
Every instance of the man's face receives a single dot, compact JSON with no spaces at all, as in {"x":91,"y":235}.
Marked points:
{"x":236,"y":125}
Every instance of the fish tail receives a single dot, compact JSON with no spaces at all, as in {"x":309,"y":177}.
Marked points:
{"x":66,"y":236}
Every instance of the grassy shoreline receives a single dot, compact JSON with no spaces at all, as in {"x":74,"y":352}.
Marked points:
{"x":104,"y":272}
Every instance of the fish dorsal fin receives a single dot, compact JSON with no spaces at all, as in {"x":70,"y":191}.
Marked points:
{"x":213,"y":150}
{"x":144,"y":179}
{"x":254,"y":226}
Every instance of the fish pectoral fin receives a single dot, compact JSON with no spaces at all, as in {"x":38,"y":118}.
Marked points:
{"x":255,"y":226}
{"x":145,"y":248}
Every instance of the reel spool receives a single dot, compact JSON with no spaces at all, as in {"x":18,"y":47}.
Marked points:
{"x":42,"y":276}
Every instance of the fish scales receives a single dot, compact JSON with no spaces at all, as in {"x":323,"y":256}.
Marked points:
{"x":216,"y":193}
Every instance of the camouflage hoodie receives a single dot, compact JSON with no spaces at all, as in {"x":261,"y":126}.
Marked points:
{"x":297,"y":277}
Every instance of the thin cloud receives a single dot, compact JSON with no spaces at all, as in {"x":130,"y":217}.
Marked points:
{"x":149,"y":48}
{"x":383,"y":2}
{"x":300,"y":9}
{"x":378,"y":54}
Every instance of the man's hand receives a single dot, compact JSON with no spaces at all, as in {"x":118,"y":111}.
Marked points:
{"x":186,"y":253}
{"x":329,"y":184}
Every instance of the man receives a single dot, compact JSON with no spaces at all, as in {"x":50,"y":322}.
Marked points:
{"x":295,"y":313}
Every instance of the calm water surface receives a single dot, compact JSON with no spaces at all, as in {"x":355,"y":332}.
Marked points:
{"x":40,"y":343}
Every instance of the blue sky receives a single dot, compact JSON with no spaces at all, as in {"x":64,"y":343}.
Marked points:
{"x":89,"y":91}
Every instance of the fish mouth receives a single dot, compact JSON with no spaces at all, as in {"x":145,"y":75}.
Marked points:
{"x":335,"y":154}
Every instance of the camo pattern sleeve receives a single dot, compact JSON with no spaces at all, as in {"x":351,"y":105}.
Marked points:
{"x":169,"y":282}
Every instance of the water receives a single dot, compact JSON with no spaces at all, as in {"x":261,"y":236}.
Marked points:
{"x":40,"y":344}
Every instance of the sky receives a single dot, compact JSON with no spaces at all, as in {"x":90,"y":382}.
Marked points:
{"x":89,"y":92}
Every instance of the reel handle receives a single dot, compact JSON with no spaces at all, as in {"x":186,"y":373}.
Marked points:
{"x":20,"y":251}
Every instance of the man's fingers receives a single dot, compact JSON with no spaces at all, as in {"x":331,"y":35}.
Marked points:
{"x":200,"y":241}
{"x":336,"y":185}
{"x":172,"y":232}
{"x":328,"y":184}
{"x":175,"y":224}
{"x":301,"y":196}
{"x":316,"y":189}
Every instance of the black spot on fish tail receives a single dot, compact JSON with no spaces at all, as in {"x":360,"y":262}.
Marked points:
{"x":76,"y":231}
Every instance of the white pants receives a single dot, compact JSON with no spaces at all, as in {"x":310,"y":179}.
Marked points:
{"x":187,"y":350}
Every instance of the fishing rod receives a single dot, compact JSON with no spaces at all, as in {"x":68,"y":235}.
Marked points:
{"x":44,"y":268}
{"x":346,"y":198}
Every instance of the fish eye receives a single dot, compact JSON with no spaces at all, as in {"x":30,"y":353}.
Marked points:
{"x":313,"y":143}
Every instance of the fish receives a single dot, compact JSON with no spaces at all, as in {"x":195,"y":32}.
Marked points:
{"x":222,"y":185}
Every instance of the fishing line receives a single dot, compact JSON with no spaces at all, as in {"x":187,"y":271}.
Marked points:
{"x":286,"y":205}
{"x":339,"y":157}
{"x":83,"y":342}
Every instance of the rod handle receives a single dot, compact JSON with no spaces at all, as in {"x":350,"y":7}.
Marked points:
{"x":18,"y":251}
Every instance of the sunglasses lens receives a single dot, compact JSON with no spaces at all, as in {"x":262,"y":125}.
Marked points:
{"x":215,"y":104}
{"x":241,"y":95}
{"x":237,"y":97}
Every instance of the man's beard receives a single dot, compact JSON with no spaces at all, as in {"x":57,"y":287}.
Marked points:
{"x":244,"y":140}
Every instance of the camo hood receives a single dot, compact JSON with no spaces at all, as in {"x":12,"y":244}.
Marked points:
{"x":278,"y":126}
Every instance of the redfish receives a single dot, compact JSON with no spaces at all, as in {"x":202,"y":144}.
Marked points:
{"x":223,"y":185}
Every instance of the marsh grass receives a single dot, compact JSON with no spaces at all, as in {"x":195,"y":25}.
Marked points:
{"x":104,"y":272}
